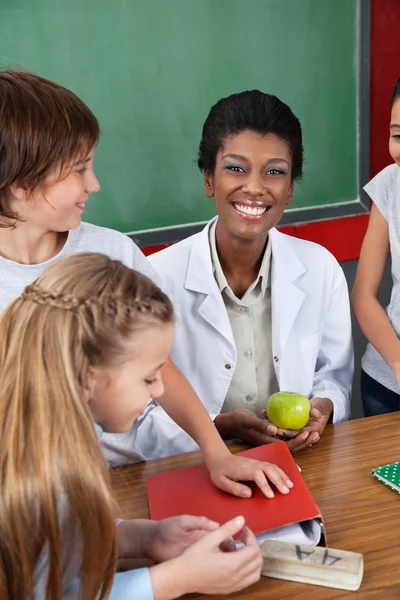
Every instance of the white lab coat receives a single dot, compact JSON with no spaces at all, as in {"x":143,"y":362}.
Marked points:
{"x":311,"y":331}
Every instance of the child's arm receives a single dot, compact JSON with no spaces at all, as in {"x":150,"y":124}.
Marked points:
{"x":370,"y":315}
{"x":157,"y":541}
{"x":185,"y":408}
{"x":193,"y":557}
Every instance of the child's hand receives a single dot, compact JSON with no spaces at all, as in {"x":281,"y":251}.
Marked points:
{"x":204,"y":568}
{"x":212,"y":571}
{"x":170,"y":537}
{"x":321,"y":410}
{"x":226,"y":472}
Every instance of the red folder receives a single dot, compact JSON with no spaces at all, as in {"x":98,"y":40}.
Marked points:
{"x":190,"y":491}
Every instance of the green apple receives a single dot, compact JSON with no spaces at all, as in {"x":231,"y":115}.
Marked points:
{"x":288,"y":410}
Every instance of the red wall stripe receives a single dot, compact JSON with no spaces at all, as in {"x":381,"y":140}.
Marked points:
{"x":385,"y":69}
{"x":342,"y":237}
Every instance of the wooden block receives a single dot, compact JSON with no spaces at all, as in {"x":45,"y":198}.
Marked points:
{"x":312,"y":564}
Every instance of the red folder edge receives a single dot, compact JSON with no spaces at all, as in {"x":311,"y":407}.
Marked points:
{"x":190,"y":491}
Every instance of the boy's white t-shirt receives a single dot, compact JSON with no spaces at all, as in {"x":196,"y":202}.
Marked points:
{"x":119,"y":449}
{"x":384,"y":191}
{"x":14,"y":277}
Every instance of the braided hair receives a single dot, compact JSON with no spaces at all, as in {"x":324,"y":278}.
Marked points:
{"x":80,"y":313}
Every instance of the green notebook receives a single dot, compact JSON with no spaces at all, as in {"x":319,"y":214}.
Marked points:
{"x":389,"y":475}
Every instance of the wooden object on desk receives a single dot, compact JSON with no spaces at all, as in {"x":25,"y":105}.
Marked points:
{"x":360,"y":513}
{"x":307,"y":564}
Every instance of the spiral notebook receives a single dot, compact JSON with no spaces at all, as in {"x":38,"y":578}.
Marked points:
{"x":389,"y":475}
{"x":190,"y":491}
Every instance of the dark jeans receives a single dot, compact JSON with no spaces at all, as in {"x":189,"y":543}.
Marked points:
{"x":376,"y":398}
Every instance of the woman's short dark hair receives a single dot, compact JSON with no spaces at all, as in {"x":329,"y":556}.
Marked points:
{"x":255,"y":111}
{"x":395,"y":93}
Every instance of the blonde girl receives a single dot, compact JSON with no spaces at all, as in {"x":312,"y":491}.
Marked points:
{"x":86,"y":342}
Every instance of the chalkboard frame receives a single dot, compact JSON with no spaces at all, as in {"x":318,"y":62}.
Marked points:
{"x":361,"y":206}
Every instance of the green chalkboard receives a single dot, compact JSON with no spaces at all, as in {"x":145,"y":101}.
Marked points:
{"x":151,"y":69}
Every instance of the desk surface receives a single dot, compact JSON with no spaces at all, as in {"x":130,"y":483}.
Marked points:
{"x":360,"y":514}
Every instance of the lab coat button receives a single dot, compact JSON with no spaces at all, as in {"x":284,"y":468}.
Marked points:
{"x":228,"y":366}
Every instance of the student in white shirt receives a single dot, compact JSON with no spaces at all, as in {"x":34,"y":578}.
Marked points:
{"x":87,"y":342}
{"x":47,"y":141}
{"x":258,"y":311}
{"x":380,"y":374}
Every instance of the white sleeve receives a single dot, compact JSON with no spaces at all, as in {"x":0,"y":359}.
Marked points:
{"x":127,"y":585}
{"x":378,"y":190}
{"x":335,"y":364}
{"x":142,"y":265}
{"x":132,"y":584}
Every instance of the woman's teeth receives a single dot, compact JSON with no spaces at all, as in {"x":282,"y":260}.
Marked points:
{"x":251,"y":210}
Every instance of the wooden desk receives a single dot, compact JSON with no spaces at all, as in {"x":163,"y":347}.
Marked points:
{"x":360,"y":513}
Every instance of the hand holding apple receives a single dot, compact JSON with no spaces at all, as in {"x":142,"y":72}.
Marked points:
{"x":321,"y":410}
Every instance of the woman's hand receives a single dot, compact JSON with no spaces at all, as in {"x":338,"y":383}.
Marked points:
{"x":321,"y":410}
{"x":245,"y":425}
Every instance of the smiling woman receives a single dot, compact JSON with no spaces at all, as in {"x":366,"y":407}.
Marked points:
{"x":260,"y":311}
{"x":251,"y":184}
